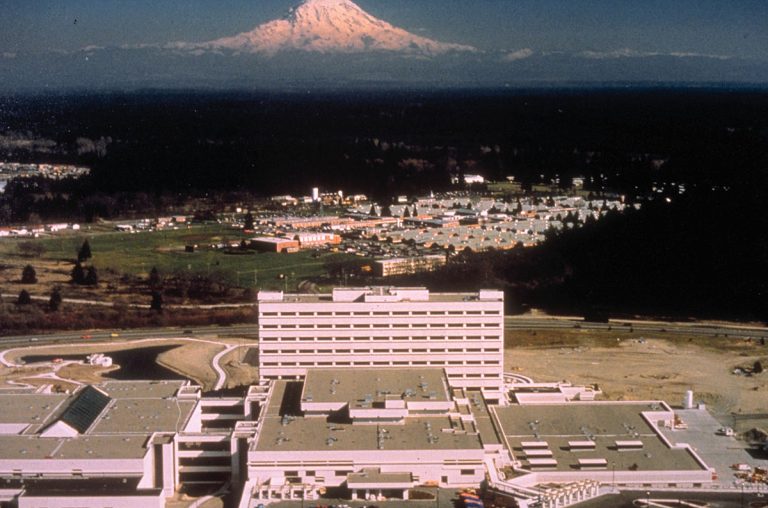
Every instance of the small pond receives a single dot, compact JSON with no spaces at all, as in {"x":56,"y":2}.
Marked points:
{"x":135,"y":364}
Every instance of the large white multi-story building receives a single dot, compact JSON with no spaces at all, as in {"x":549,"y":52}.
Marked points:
{"x":385,"y":328}
{"x":368,"y":393}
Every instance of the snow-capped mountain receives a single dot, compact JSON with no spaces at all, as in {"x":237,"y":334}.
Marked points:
{"x":328,"y":26}
{"x":336,"y":44}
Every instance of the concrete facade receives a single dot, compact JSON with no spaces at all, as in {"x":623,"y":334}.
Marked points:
{"x":385,"y":328}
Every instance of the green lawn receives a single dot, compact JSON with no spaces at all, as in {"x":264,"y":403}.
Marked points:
{"x":137,"y":253}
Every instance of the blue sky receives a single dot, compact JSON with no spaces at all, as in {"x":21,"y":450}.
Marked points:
{"x":719,"y":27}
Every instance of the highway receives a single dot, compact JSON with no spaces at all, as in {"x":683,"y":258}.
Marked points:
{"x":510,"y":323}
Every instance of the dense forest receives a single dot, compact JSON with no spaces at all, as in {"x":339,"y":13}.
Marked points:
{"x":386,"y":143}
{"x":703,"y":256}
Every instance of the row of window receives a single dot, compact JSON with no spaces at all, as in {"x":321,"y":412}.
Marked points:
{"x":383,"y":313}
{"x":368,"y":351}
{"x":475,"y":388}
{"x":386,"y":363}
{"x":382,"y":338}
{"x":336,"y":326}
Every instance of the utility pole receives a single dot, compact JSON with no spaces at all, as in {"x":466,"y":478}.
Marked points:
{"x":255,"y":276}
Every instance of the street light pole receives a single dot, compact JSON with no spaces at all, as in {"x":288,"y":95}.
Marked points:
{"x":647,"y":499}
{"x":613,"y":477}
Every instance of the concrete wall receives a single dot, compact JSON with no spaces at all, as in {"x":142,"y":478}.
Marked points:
{"x":93,"y":502}
{"x":424,"y":465}
{"x":53,"y":467}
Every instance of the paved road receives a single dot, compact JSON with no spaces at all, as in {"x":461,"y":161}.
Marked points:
{"x":511,"y":323}
{"x":102,"y":303}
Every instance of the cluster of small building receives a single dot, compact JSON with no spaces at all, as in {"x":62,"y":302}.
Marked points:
{"x":156,"y":224}
{"x":365,"y":393}
{"x":9,"y":170}
{"x":406,"y":237}
{"x":34,"y":231}
{"x":337,"y":198}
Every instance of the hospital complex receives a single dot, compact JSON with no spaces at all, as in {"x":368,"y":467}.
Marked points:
{"x":365,"y":394}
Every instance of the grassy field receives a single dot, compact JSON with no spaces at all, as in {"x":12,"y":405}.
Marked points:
{"x":137,"y":253}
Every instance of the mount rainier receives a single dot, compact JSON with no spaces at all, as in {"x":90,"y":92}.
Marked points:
{"x":328,"y":26}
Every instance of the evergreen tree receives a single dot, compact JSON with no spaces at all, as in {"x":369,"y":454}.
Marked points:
{"x":248,"y":222}
{"x":154,"y":278}
{"x":157,"y":302}
{"x":24,"y":298}
{"x":372,"y":212}
{"x":407,"y":213}
{"x":91,"y":277}
{"x":28,"y":275}
{"x":85,"y":252}
{"x":386,"y":211}
{"x":55,"y":301}
{"x":78,"y":274}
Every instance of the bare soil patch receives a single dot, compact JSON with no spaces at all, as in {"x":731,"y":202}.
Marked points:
{"x":239,"y":373}
{"x":642,"y":368}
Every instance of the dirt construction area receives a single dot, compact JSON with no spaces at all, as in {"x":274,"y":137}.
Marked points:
{"x":625,"y":366}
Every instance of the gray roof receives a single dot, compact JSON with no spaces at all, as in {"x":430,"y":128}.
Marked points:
{"x":142,"y":389}
{"x":601,"y":423}
{"x":297,"y":433}
{"x":355,"y":385}
{"x":316,"y":434}
{"x":144,"y":416}
{"x":28,"y":408}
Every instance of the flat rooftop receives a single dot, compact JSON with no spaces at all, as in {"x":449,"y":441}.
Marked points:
{"x":141,"y":389}
{"x":482,"y":416}
{"x":316,"y":434}
{"x":27,"y":408}
{"x":369,"y":387}
{"x":103,"y":447}
{"x":379,"y":295}
{"x":283,"y":432}
{"x":562,"y":425}
{"x":18,"y":448}
{"x":142,"y":416}
{"x":134,"y":411}
{"x":21,"y":448}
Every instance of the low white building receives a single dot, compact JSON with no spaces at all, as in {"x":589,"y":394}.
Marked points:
{"x":117,"y":444}
{"x":365,"y":434}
